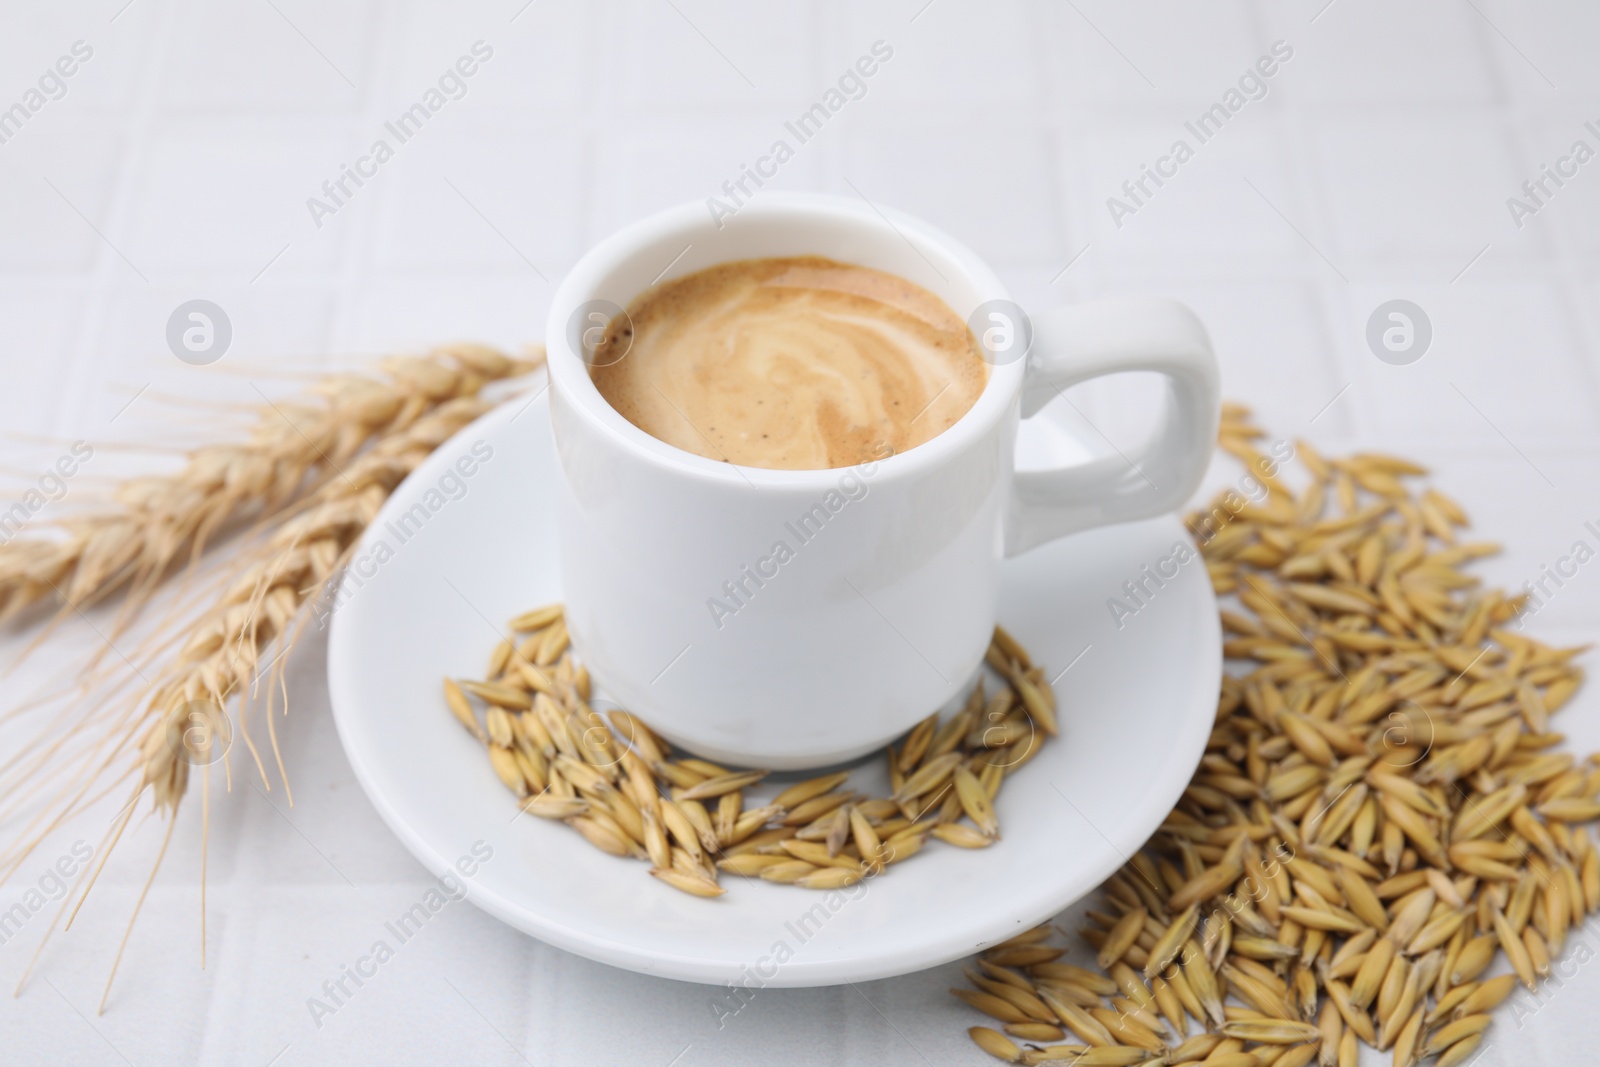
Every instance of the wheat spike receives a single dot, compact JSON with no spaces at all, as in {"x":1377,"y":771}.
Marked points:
{"x":311,"y":482}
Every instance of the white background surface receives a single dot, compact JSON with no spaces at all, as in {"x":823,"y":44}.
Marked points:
{"x":178,"y":166}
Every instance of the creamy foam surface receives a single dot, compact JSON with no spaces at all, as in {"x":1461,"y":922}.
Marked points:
{"x":796,"y":363}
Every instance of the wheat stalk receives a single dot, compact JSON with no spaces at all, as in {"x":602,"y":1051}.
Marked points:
{"x":312,"y":503}
{"x":152,"y":523}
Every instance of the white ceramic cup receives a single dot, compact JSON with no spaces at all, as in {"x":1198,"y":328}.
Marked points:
{"x":791,"y":619}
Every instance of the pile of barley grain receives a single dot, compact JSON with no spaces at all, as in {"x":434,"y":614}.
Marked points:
{"x":1380,"y":811}
{"x":627,"y":795}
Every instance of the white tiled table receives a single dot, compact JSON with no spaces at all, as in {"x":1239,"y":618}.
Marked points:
{"x":178,"y":164}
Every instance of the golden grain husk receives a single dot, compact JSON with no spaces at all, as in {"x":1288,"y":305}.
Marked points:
{"x":1381,"y":811}
{"x":612,"y":779}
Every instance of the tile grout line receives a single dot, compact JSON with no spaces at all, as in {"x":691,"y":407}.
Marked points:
{"x":87,"y":378}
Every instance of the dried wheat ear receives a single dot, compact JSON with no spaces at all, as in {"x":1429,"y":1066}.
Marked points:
{"x":153,"y":524}
{"x":299,"y":491}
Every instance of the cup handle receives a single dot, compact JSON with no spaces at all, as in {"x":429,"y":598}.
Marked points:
{"x":1073,"y":344}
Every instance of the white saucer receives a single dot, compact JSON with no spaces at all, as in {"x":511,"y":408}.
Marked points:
{"x":1137,"y":705}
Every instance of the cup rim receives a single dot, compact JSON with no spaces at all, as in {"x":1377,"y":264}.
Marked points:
{"x":569,"y":374}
